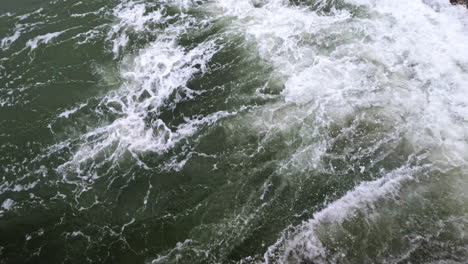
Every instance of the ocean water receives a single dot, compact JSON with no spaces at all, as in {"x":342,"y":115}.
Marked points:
{"x":233,"y":131}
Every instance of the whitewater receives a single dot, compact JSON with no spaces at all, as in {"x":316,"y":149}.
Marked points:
{"x":222,"y":131}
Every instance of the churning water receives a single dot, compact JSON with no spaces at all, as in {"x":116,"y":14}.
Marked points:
{"x":233,"y":131}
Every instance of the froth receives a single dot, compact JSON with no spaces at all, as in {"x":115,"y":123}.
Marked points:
{"x":305,"y":244}
{"x":150,"y":78}
{"x":404,"y":61}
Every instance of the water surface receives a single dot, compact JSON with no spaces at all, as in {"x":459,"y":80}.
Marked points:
{"x":222,"y":131}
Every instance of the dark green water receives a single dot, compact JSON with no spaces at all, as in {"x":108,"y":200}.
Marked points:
{"x":233,"y":131}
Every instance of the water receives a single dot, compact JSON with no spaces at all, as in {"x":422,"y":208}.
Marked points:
{"x":248,"y":131}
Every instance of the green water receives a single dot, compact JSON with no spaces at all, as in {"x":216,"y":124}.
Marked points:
{"x":233,"y":132}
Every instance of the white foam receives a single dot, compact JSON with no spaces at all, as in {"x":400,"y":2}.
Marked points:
{"x":7,"y":14}
{"x":306,"y":244}
{"x":6,"y":42}
{"x":8,"y":204}
{"x":405,"y":60}
{"x":25,"y":16}
{"x":43,"y":39}
{"x":406,"y":57}
{"x":151,"y":76}
{"x":97,"y":12}
{"x":131,"y":17}
{"x":67,"y":113}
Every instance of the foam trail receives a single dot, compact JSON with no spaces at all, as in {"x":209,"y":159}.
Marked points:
{"x":155,"y":73}
{"x":8,"y":204}
{"x":43,"y":39}
{"x":6,"y":42}
{"x":378,"y":61}
{"x":158,"y":72}
{"x":306,"y":244}
{"x":404,"y":61}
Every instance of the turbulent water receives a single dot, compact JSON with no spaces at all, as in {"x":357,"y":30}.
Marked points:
{"x":233,"y":131}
